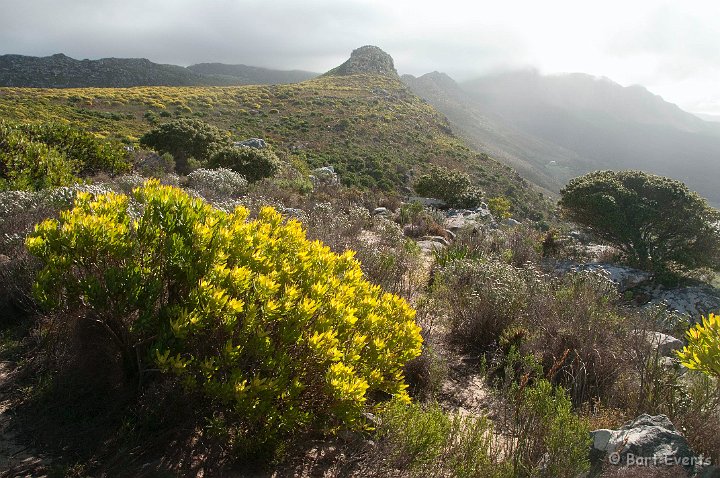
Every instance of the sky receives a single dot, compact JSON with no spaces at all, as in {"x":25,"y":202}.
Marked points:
{"x":670,"y":47}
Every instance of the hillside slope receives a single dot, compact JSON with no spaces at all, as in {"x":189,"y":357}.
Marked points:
{"x":487,"y":131}
{"x":370,"y":127}
{"x":552,"y":128}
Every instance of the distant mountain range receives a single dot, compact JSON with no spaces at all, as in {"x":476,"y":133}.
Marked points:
{"x":553,"y":128}
{"x":249,"y":75}
{"x":61,"y":71}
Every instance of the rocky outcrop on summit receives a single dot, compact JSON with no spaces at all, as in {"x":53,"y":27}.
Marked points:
{"x":366,"y":60}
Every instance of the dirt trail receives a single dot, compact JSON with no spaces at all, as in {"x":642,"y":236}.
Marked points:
{"x":16,"y":459}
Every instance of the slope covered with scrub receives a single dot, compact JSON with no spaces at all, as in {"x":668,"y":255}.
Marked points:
{"x":369,"y":126}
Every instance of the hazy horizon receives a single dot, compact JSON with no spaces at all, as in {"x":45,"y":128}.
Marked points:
{"x":667,"y":48}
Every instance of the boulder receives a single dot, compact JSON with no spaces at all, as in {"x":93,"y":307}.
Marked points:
{"x":624,"y":277}
{"x":430,"y":246}
{"x":579,"y":236}
{"x":438,"y":239}
{"x":428,"y":202}
{"x":652,"y":440}
{"x":380,"y":211}
{"x":664,"y":343}
{"x":692,"y":301}
{"x":460,"y":218}
{"x":511,"y":222}
{"x":255,"y":143}
{"x":325,"y":175}
{"x":455,"y":223}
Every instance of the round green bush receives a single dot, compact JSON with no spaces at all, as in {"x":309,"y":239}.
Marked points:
{"x":252,"y":163}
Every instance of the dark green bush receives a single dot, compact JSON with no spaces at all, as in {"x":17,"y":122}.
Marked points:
{"x":252,"y":163}
{"x":453,"y":187}
{"x":185,"y":138}
{"x":657,"y":222}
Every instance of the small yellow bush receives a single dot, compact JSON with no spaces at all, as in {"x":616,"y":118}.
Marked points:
{"x":277,"y":331}
{"x":703,"y":349}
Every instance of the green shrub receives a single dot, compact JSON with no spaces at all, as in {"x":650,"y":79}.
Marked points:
{"x":278,"y":333}
{"x":539,"y":436}
{"x":92,"y":154}
{"x":548,"y":439}
{"x":657,"y":222}
{"x":185,"y":138}
{"x":25,"y":165}
{"x":578,"y":317}
{"x":453,"y":187}
{"x":430,"y":442}
{"x":420,"y":221}
{"x":34,"y":157}
{"x":252,"y":163}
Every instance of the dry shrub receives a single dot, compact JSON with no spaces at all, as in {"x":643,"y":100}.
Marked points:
{"x":418,"y":221}
{"x":575,"y":318}
{"x":517,"y":245}
{"x":481,"y":298}
{"x":426,"y":374}
{"x":700,"y":418}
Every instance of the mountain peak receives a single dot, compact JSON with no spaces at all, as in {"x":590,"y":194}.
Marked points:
{"x":367,"y":59}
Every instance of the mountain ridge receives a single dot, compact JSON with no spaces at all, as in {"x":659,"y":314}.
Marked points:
{"x":552,"y":128}
{"x":62,"y":71}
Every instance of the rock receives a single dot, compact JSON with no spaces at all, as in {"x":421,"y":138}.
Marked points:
{"x":460,"y":218}
{"x":255,"y":143}
{"x":693,"y":301}
{"x":664,"y":343}
{"x":653,"y":439}
{"x":430,"y":246}
{"x":428,"y":202}
{"x":711,"y":471}
{"x":371,"y":419}
{"x":450,"y":234}
{"x":438,"y":239}
{"x":366,"y":60}
{"x":579,"y":236}
{"x":511,"y":222}
{"x":624,"y":277}
{"x":455,"y":223}
{"x":325,"y":175}
{"x":380,"y":211}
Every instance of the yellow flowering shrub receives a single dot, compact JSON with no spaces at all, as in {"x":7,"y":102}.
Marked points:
{"x":703,"y":349}
{"x":265,"y":323}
